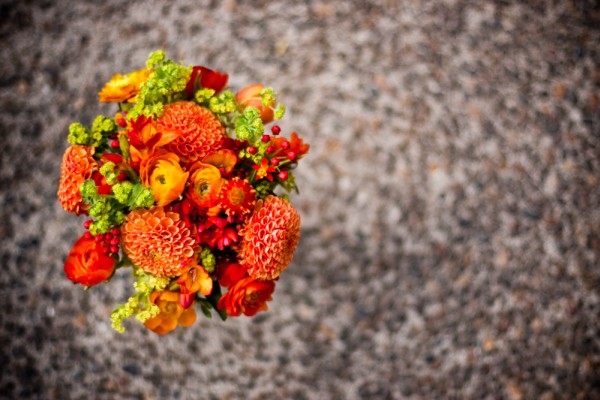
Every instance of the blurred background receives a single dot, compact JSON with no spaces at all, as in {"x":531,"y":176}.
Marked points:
{"x":450,"y":201}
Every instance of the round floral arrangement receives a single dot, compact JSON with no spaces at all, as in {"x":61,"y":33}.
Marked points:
{"x":186,"y":186}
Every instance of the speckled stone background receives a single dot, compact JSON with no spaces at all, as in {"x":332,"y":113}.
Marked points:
{"x":450,"y":202}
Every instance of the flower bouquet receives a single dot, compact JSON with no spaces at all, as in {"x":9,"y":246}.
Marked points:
{"x":182,"y":185}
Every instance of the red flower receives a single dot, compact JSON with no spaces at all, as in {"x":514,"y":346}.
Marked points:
{"x":264,"y":170}
{"x":247,"y":296}
{"x":208,"y":79}
{"x":87,"y":263}
{"x":230,"y":273}
{"x":295,"y":145}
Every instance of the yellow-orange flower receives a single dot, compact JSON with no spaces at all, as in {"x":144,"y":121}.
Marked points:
{"x":223,"y":159}
{"x":77,"y":166}
{"x":124,"y":87}
{"x":171,"y":313}
{"x":269,"y":238}
{"x":247,"y":296}
{"x":195,"y":279}
{"x":157,"y":241}
{"x":198,"y":131}
{"x":165,"y":176}
{"x":205,"y":184}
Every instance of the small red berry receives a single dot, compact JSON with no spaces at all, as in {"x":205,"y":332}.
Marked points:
{"x":252,"y":150}
{"x":87,"y":224}
{"x":285,"y":145}
{"x":114,"y":249}
{"x":99,"y":238}
{"x":116,"y":232}
{"x":106,"y":250}
{"x":283,"y":175}
{"x":121,"y":122}
{"x":275,"y":129}
{"x":114,"y":241}
{"x":291,"y":155}
{"x":266,"y":138}
{"x":108,"y":236}
{"x":114,"y":144}
{"x":274,"y":162}
{"x":88,"y":235}
{"x":269,"y":149}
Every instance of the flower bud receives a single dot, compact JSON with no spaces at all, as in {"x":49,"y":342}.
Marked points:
{"x":250,"y":97}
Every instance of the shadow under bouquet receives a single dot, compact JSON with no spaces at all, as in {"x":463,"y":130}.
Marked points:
{"x":182,"y":185}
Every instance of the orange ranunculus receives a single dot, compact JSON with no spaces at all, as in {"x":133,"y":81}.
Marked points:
{"x":145,"y":138}
{"x":165,"y":176}
{"x":171,"y":313}
{"x":87,"y":264}
{"x":205,"y":184}
{"x":247,"y":296}
{"x":250,"y":97}
{"x":124,"y":87}
{"x":223,"y":159}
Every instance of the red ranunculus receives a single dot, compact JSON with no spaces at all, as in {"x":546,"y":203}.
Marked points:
{"x":247,"y":296}
{"x":88,"y":264}
{"x":209,"y":79}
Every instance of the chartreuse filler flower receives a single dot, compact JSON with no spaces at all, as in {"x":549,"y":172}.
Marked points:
{"x":186,"y":186}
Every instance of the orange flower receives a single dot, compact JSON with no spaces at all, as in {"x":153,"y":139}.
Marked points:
{"x":269,"y":238}
{"x":198,"y":132}
{"x":250,"y":97}
{"x":223,"y":159}
{"x":195,"y":279}
{"x":145,"y":138}
{"x":296,"y":145}
{"x":77,"y":166}
{"x":247,"y":296}
{"x":124,"y":87}
{"x":87,"y":264}
{"x":165,"y":176}
{"x":157,"y":241}
{"x":205,"y":184}
{"x":237,"y":197}
{"x":171,"y":313}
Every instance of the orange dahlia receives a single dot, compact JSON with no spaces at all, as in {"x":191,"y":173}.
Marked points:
{"x":269,"y":238}
{"x":157,"y":241}
{"x":198,"y":131}
{"x":77,"y":166}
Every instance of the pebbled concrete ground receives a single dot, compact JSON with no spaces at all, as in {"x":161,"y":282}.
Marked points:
{"x":450,"y":202}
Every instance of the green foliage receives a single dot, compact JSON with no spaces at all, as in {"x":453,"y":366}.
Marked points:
{"x":223,"y":103}
{"x":165,"y":85}
{"x":203,"y":95}
{"x":139,"y":303}
{"x":249,"y":125}
{"x":208,"y":260}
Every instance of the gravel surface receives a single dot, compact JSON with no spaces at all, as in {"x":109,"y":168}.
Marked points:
{"x":450,"y":201}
